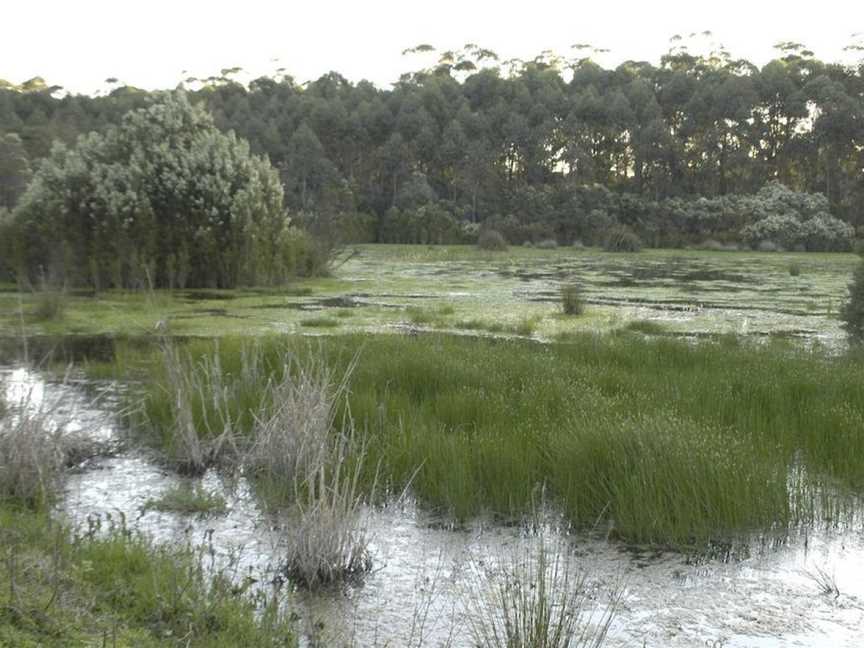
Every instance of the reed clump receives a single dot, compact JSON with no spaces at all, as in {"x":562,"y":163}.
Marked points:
{"x":536,"y":597}
{"x":271,"y":414}
{"x":572,"y":302}
{"x":35,"y":448}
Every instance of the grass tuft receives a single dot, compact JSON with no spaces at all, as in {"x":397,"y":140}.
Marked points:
{"x":536,"y":598}
{"x":320,"y":322}
{"x":188,"y":499}
{"x":571,"y":299}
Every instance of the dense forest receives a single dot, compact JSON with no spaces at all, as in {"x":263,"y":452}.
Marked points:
{"x":695,"y":149}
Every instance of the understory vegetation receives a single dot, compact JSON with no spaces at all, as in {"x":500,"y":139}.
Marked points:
{"x":652,"y":440}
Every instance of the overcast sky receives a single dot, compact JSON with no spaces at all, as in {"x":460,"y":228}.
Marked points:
{"x":148,"y":43}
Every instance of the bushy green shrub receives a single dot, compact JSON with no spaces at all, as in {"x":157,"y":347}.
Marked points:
{"x":163,"y":196}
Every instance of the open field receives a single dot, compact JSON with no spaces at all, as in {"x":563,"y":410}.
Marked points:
{"x":459,"y":288}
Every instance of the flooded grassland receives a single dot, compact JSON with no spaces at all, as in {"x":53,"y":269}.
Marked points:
{"x":462,"y":289}
{"x":693,"y":494}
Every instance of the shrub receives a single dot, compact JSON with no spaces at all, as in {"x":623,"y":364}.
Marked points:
{"x":622,"y":239}
{"x":547,"y":244}
{"x":571,"y":299}
{"x":794,"y":269}
{"x":852,"y":314}
{"x":163,"y":193}
{"x":491,"y":240}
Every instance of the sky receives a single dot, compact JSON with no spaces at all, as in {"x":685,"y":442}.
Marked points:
{"x":150,"y":43}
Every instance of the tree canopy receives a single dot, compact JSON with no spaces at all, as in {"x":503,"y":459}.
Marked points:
{"x":551,"y":147}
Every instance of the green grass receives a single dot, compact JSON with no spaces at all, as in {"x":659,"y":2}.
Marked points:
{"x":434,"y":316}
{"x":113,"y":588}
{"x":320,"y":322}
{"x":646,"y":327}
{"x":189,"y":499}
{"x":659,"y":440}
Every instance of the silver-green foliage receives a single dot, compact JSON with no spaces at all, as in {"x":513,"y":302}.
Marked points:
{"x":163,"y":199}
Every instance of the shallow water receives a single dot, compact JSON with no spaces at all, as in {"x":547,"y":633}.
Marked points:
{"x":763,"y":596}
{"x":686,"y":292}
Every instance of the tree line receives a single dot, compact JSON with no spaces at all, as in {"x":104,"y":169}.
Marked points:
{"x":696,"y":147}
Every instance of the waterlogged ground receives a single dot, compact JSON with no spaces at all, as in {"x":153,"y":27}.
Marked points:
{"x":425,"y":573}
{"x":384,"y":287}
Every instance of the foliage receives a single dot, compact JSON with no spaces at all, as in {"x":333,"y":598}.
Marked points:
{"x":563,"y":150}
{"x":163,"y":199}
{"x":14,"y":169}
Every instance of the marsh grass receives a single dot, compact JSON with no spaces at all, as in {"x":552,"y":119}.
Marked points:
{"x":49,"y":301}
{"x":110,"y":587}
{"x":825,"y":581}
{"x":320,"y":322}
{"x":524,"y":327}
{"x":535,"y":599}
{"x":292,"y":437}
{"x":196,"y":436}
{"x":188,"y":499}
{"x":491,"y":241}
{"x":571,"y":299}
{"x":328,"y":539}
{"x":35,"y":448}
{"x":658,"y":440}
{"x":431,"y":316}
{"x":646,"y":327}
{"x":273,"y":416}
